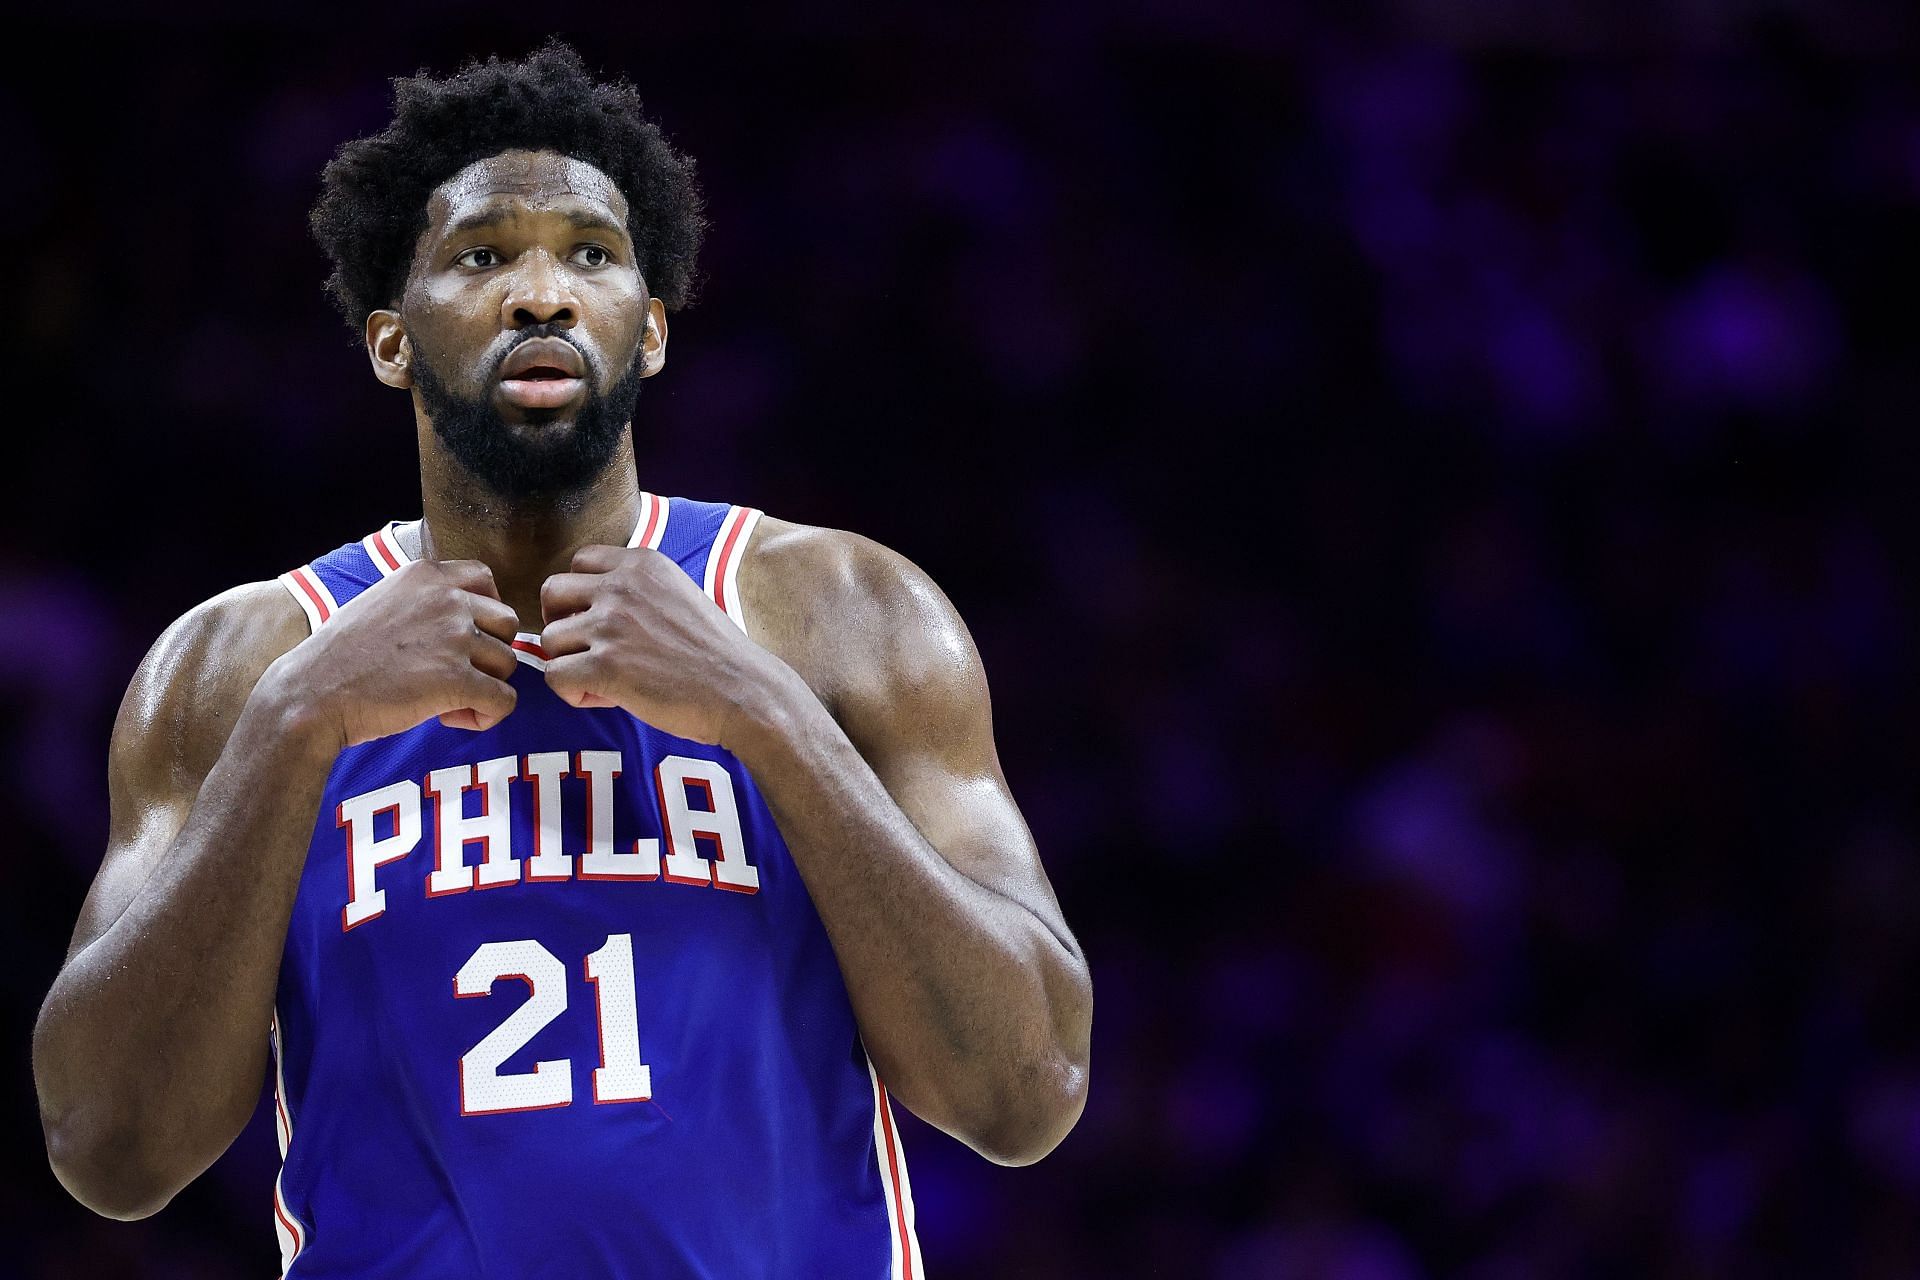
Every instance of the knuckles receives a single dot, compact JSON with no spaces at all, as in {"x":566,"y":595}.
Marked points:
{"x":600,"y":559}
{"x":420,"y":571}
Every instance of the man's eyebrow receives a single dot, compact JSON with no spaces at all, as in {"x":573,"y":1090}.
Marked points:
{"x":494,"y":215}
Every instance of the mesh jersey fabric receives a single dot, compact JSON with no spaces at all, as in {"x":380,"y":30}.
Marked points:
{"x":565,"y":1058}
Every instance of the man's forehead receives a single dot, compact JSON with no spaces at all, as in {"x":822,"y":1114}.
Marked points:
{"x":539,"y":179}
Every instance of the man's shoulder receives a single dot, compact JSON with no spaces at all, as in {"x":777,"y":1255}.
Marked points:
{"x":204,"y":666}
{"x":813,"y":573}
{"x":785,"y":556}
{"x":250,"y":624}
{"x":847,"y":612}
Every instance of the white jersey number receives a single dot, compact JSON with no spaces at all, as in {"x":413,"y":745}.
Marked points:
{"x":620,"y":1077}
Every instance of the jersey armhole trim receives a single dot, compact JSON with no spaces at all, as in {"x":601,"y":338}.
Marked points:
{"x":311,"y":593}
{"x":384,"y":549}
{"x":652,"y":525}
{"x":723,"y":562}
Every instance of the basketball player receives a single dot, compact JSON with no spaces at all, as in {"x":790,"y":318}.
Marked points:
{"x":588,"y":867}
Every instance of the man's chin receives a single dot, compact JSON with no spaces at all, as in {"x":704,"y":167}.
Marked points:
{"x":530,"y":451}
{"x":512,"y":415}
{"x":545,"y":421}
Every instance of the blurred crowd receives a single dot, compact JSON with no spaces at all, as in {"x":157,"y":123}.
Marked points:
{"x":1433,"y":508}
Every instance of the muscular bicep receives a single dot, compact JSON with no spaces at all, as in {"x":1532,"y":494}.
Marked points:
{"x":179,"y":709}
{"x":914,"y":701}
{"x":969,"y":815}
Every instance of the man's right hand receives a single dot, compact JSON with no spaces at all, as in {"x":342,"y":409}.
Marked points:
{"x":432,"y":640}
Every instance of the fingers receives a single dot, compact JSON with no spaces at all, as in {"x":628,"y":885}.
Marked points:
{"x":574,"y":671}
{"x":497,"y":620}
{"x":567,"y":593}
{"x":469,"y":575}
{"x":569,"y":635}
{"x":598,"y":559}
{"x":568,"y":677}
{"x":476,"y":579}
{"x":489,"y":701}
{"x":494,"y":657}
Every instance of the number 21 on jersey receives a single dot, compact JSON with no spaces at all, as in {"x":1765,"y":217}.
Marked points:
{"x":620,"y":1077}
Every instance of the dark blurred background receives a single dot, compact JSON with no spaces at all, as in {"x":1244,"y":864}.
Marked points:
{"x":1430,"y":486}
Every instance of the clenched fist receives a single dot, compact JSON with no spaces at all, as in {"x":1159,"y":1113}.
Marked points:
{"x":626,"y":628}
{"x":432,"y":640}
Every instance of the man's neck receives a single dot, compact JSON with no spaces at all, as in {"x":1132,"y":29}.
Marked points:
{"x":525,"y":543}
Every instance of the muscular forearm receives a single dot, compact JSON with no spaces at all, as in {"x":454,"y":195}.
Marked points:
{"x":974,"y":1011}
{"x":150,"y":1049}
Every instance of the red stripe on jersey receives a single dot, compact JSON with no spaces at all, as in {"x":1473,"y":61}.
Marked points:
{"x":386,"y":552}
{"x":319,"y":601}
{"x":893,"y":1171}
{"x":528,"y":646}
{"x":293,"y":1228}
{"x":279,"y":1105}
{"x":653,"y":521}
{"x":726,"y":554}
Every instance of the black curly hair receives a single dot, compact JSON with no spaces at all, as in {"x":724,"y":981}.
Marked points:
{"x":373,"y":193}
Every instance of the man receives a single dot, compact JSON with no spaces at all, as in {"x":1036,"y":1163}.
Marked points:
{"x":588,"y":865}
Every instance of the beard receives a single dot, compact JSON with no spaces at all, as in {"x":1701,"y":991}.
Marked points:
{"x":536,"y":461}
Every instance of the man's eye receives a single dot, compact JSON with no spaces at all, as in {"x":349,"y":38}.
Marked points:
{"x":604,"y":258}
{"x":469,"y":253}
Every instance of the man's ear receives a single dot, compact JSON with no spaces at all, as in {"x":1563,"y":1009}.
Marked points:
{"x":389,"y":349}
{"x":653,"y":343}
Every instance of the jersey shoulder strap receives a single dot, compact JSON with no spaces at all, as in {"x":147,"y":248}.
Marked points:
{"x":326,"y":585}
{"x":706,"y":539}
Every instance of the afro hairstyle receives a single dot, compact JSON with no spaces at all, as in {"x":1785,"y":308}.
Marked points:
{"x":373,"y":193}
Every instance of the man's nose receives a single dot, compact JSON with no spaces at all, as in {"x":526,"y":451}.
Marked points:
{"x":539,"y":293}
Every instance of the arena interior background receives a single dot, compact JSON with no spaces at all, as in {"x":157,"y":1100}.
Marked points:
{"x":1432,"y":488}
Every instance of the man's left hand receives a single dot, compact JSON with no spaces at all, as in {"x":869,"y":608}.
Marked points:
{"x":627,"y":628}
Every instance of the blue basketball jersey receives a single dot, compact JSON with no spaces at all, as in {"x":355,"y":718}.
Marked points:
{"x":556,"y":1004}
